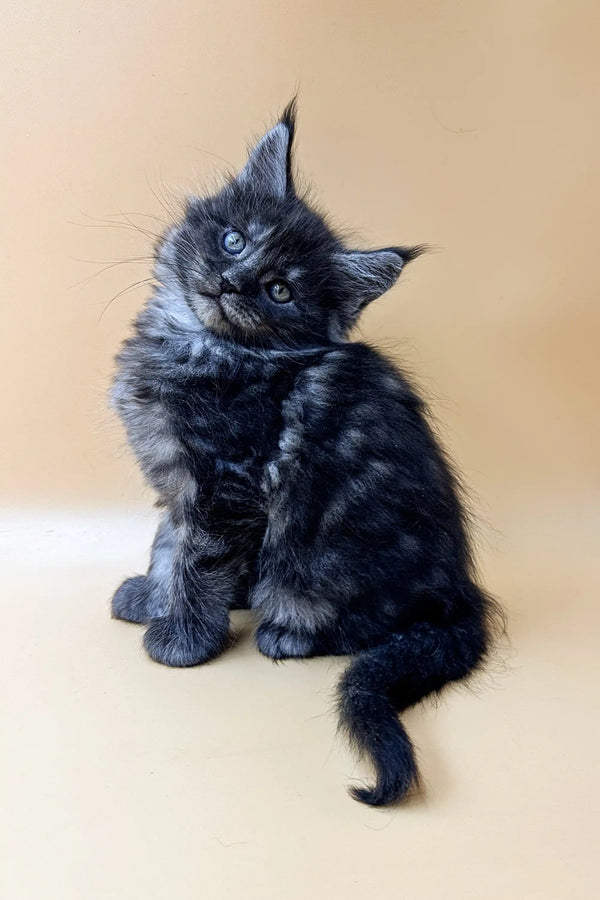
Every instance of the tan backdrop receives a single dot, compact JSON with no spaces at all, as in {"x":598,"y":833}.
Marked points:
{"x":473,"y":126}
{"x":470,"y":125}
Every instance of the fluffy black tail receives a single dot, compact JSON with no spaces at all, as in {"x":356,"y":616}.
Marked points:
{"x":383,"y":681}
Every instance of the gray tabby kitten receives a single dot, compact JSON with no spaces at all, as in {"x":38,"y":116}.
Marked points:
{"x":296,"y":471}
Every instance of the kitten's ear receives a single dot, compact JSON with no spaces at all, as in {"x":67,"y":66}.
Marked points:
{"x":370,"y":273}
{"x":269,"y":166}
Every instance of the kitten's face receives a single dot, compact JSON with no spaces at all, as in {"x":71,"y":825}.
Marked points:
{"x":256,"y":263}
{"x":257,"y":268}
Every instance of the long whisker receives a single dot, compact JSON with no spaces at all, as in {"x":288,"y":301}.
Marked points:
{"x":146,"y":260}
{"x":121,"y":293}
{"x":130,"y":215}
{"x":129,"y":225}
{"x":210,"y":153}
{"x":164,"y":200}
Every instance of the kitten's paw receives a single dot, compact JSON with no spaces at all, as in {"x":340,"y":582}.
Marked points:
{"x":279,"y":643}
{"x":131,"y":600}
{"x":174,"y":643}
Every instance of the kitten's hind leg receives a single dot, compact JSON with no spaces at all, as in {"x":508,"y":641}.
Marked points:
{"x":278,"y":642}
{"x":293,"y":623}
{"x":144,"y":597}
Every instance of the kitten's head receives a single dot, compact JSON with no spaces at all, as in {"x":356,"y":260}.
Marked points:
{"x":257,"y":263}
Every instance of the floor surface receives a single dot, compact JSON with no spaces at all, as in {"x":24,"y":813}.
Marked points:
{"x":123,"y":779}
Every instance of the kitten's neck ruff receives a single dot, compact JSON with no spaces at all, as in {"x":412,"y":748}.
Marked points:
{"x":169,"y":315}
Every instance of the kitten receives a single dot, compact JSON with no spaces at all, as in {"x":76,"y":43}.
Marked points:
{"x":297,"y":471}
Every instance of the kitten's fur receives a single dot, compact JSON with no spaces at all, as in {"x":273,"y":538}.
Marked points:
{"x":297,"y":472}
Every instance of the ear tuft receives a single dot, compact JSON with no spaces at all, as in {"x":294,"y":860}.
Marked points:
{"x":370,"y":273}
{"x":410,"y":253}
{"x":269,"y":166}
{"x":288,"y":117}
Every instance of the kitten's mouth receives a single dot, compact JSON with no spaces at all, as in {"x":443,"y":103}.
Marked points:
{"x":232,"y":309}
{"x":237,"y":311}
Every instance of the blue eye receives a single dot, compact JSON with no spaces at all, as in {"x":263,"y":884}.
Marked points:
{"x":234,"y":242}
{"x":279,"y":292}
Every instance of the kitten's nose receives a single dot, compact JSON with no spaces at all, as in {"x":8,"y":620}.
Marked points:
{"x":227,"y":287}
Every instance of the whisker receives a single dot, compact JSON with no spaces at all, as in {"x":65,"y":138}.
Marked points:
{"x":146,"y":260}
{"x":116,"y":262}
{"x":171,"y":208}
{"x":121,"y":293}
{"x":210,"y":153}
{"x":147,"y":216}
{"x":108,"y":223}
{"x":129,"y":215}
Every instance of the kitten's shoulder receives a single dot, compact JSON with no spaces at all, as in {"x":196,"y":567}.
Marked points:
{"x":357,"y":372}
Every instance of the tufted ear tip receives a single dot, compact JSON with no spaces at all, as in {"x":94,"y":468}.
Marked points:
{"x":269,"y":166}
{"x":288,"y":117}
{"x":407,"y":254}
{"x":367,"y":274}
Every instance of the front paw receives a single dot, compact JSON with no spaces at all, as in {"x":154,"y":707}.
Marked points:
{"x":178,"y":643}
{"x":279,"y":643}
{"x":131,"y":600}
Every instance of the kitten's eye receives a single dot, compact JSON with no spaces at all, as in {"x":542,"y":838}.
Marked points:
{"x":234,"y":242}
{"x":279,"y":292}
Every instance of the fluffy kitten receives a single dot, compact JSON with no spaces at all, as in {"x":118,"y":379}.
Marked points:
{"x":297,"y":471}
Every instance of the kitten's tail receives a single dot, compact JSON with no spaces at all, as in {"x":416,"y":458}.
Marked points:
{"x":383,"y":681}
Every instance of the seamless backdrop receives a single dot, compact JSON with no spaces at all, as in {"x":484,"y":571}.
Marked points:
{"x":472,"y":126}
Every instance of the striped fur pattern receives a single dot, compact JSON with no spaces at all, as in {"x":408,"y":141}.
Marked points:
{"x":296,"y":470}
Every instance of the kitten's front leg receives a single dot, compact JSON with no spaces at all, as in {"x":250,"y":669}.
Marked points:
{"x":144,"y":597}
{"x":200,"y":586}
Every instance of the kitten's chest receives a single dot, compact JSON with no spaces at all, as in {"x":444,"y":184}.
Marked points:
{"x":226,"y":415}
{"x":230,"y":417}
{"x":208,"y":417}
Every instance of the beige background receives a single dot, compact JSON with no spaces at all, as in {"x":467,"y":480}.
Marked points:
{"x":470,"y":125}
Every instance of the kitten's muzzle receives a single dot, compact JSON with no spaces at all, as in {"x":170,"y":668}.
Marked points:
{"x":216,"y":290}
{"x":227,"y":287}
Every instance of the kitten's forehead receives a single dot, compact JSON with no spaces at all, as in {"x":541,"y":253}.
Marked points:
{"x":273,"y":242}
{"x":260,"y":232}
{"x":295,"y":273}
